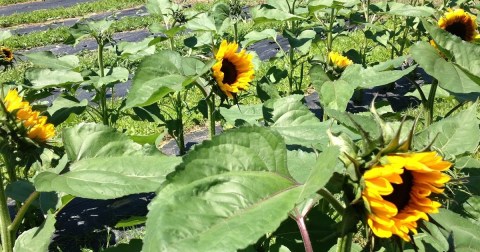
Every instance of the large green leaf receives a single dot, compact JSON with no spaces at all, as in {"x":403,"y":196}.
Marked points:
{"x":242,"y":115}
{"x":45,"y":78}
{"x":336,"y":94}
{"x":370,"y":77}
{"x":114,"y":76}
{"x":289,"y":117}
{"x":318,"y":76}
{"x":461,"y":233}
{"x":255,"y":36}
{"x":235,"y":186}
{"x":159,"y":75}
{"x":314,"y":5}
{"x":63,"y":107}
{"x":466,"y":54}
{"x":38,"y":238}
{"x":202,"y":22}
{"x":46,"y":59}
{"x":300,"y":164}
{"x":401,"y":9}
{"x":454,"y":135}
{"x":302,"y":42}
{"x":449,"y":75}
{"x":268,"y":13}
{"x":106,"y":164}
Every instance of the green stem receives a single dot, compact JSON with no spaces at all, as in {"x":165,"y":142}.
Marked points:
{"x":235,"y":32}
{"x":211,"y":118}
{"x":5,"y":221}
{"x":393,"y":37}
{"x":291,"y":71}
{"x":330,"y":31}
{"x":344,"y":243}
{"x":332,"y":200}
{"x":430,"y":103}
{"x":10,"y":165}
{"x":21,"y":213}
{"x":180,"y":136}
{"x":103,"y":89}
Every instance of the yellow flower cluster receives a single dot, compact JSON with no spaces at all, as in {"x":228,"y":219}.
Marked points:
{"x":460,"y":23}
{"x":37,"y":127}
{"x":398,"y":192}
{"x":233,"y":70}
{"x":338,"y":61}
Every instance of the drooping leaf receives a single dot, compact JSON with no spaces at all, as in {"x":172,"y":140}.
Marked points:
{"x":467,"y":55}
{"x":136,"y":50}
{"x":370,"y":77}
{"x":63,"y":106}
{"x":255,"y":36}
{"x":242,"y":115}
{"x":455,"y":135}
{"x":106,"y":164}
{"x":114,"y":76}
{"x":302,"y":42}
{"x":450,"y":76}
{"x":202,"y":22}
{"x":268,"y":13}
{"x":235,"y":186}
{"x":46,"y":59}
{"x":45,"y":78}
{"x":318,"y":76}
{"x":289,"y":117}
{"x":401,"y":9}
{"x":38,"y":238}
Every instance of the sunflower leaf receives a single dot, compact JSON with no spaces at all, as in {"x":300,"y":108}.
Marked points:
{"x":455,"y":135}
{"x":37,"y":238}
{"x":462,"y":234}
{"x":106,"y":164}
{"x":292,"y":119}
{"x":235,"y":186}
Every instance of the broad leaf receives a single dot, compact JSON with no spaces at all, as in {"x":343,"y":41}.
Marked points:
{"x":242,"y":115}
{"x":462,"y":234}
{"x":63,"y":107}
{"x":38,"y":238}
{"x":336,"y":94}
{"x":455,"y":135}
{"x":371,"y":77}
{"x":302,"y":42}
{"x":449,"y":75}
{"x":159,"y":75}
{"x":46,"y":59}
{"x":268,"y":13}
{"x":318,"y":76}
{"x":255,"y":36}
{"x":300,"y":164}
{"x":115,"y":75}
{"x":401,"y":9}
{"x":235,"y":186}
{"x":106,"y":164}
{"x":45,"y":78}
{"x":202,"y":22}
{"x":289,"y":117}
{"x":467,"y":55}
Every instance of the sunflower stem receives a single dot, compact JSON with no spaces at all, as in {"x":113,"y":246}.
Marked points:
{"x":332,"y":200}
{"x":344,"y":243}
{"x":103,"y":89}
{"x":180,"y":134}
{"x":21,"y":213}
{"x":211,"y":118}
{"x":430,"y":103}
{"x":5,"y":221}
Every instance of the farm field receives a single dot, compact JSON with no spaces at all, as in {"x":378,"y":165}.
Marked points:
{"x":229,"y":125}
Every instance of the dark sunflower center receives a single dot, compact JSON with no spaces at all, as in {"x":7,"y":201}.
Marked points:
{"x":229,"y":71}
{"x":401,"y":192}
{"x":458,"y":29}
{"x":7,"y":53}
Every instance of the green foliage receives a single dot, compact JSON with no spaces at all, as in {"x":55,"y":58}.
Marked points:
{"x":38,"y":238}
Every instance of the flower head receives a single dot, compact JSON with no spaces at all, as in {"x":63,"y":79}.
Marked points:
{"x":338,"y":61}
{"x":6,"y":54}
{"x":459,"y":23}
{"x":233,"y":70}
{"x":36,"y":125}
{"x":398,"y":192}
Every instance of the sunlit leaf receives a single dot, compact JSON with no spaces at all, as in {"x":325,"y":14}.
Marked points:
{"x":45,"y":78}
{"x":38,"y":238}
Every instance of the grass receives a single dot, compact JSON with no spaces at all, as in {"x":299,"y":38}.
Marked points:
{"x":8,"y":2}
{"x":78,"y":10}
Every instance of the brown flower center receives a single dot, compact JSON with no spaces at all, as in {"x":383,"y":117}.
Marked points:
{"x":8,"y":54}
{"x":459,"y":29}
{"x":401,"y":192}
{"x":229,"y":72}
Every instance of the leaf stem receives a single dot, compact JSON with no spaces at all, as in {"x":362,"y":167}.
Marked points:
{"x":430,"y":103}
{"x":332,"y":200}
{"x":304,"y":232}
{"x":344,"y":243}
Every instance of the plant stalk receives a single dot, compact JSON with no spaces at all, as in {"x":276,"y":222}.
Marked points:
{"x":211,"y":118}
{"x":344,"y":243}
{"x":5,"y":221}
{"x":330,"y":31}
{"x":103,"y":89}
{"x":332,"y":200}
{"x":21,"y":213}
{"x":430,"y":103}
{"x":304,"y":232}
{"x":180,"y":133}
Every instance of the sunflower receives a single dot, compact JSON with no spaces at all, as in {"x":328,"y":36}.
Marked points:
{"x":6,"y":54}
{"x":397,"y":193}
{"x":460,"y":23}
{"x":233,"y":70}
{"x":338,"y":61}
{"x":37,"y":127}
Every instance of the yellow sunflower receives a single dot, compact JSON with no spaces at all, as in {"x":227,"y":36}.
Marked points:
{"x":37,"y":127}
{"x":398,"y":192}
{"x":6,"y":54}
{"x":460,"y":23}
{"x":338,"y":61}
{"x":233,"y":70}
